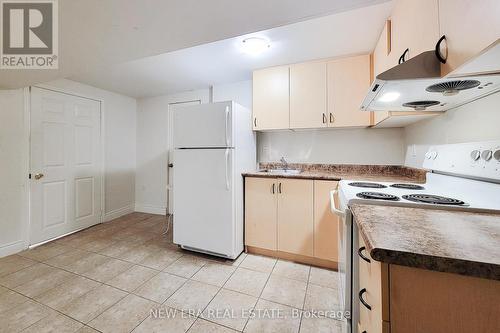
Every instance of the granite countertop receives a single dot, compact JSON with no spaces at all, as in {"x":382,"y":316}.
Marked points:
{"x":461,"y":242}
{"x":389,"y":173}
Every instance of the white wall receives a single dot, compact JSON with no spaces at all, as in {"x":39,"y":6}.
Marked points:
{"x":476,"y":121}
{"x":13,"y":175}
{"x":120,"y":115}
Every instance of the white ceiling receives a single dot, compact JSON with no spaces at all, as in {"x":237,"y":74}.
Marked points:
{"x":94,"y":34}
{"x":223,"y":61}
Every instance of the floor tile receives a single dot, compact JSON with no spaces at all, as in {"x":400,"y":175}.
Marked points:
{"x":320,"y":325}
{"x":45,"y":251}
{"x":108,"y":270}
{"x":54,"y":322}
{"x":11,"y":299}
{"x":272,"y":317}
{"x":87,"y":263}
{"x":160,"y":287}
{"x":68,"y":258}
{"x":324,"y":277}
{"x":167,"y":320}
{"x":44,"y":283}
{"x":203,"y":326}
{"x":320,"y":298}
{"x":216,"y":274}
{"x":124,"y":316}
{"x":285,"y":291}
{"x":132,"y":278}
{"x":137,"y":254}
{"x":86,"y":329}
{"x":258,"y":263}
{"x":93,"y":303}
{"x":239,"y":260}
{"x":117,"y":249}
{"x":58,"y":298}
{"x":161,"y":259}
{"x":192,"y":296}
{"x":13,"y":264}
{"x":22,"y":316}
{"x":186,"y":266}
{"x":292,"y":270}
{"x":2,"y":290}
{"x":237,"y":305}
{"x":25,"y":275}
{"x":97,"y":244}
{"x":247,"y":281}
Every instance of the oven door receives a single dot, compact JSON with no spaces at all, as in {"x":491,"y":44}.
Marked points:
{"x":345,"y":254}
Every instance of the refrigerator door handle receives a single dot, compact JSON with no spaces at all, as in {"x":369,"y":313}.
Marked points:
{"x":227,"y":125}
{"x":227,"y":169}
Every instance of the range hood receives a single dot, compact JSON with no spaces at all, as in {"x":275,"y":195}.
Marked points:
{"x":417,"y":84}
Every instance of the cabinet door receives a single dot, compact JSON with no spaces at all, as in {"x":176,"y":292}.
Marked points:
{"x":295,"y":216}
{"x":325,"y":222}
{"x":308,"y":95}
{"x":415,"y":26}
{"x":261,"y":213}
{"x":382,"y":51}
{"x":271,"y":98}
{"x":469,"y":26}
{"x":348,"y":82}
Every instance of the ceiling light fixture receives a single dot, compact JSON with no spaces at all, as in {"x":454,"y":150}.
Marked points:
{"x":255,"y":45}
{"x":389,"y":97}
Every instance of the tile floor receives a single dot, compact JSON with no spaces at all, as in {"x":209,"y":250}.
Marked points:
{"x":125,"y":276}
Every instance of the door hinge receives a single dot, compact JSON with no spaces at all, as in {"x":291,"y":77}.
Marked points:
{"x":29,"y":176}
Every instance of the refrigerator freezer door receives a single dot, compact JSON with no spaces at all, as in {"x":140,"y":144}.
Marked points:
{"x":204,"y":210}
{"x":204,"y":125}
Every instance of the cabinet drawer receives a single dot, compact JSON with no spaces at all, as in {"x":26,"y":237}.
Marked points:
{"x":373,"y":291}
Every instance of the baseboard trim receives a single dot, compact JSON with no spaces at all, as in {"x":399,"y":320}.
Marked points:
{"x":116,"y":213}
{"x":333,"y":265}
{"x":150,"y":209}
{"x":12,"y":248}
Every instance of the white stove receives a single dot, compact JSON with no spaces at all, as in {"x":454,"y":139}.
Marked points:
{"x":461,"y":176}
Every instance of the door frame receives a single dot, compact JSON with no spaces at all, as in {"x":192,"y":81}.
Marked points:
{"x":170,"y":144}
{"x":102,"y":174}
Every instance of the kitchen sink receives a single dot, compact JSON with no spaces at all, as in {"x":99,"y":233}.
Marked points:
{"x":282,"y":171}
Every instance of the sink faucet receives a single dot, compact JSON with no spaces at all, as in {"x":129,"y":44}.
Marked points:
{"x":284,"y":162}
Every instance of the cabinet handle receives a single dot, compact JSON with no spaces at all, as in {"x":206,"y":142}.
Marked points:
{"x":439,"y":55}
{"x":360,"y":253}
{"x":279,"y":188}
{"x":332,"y":118}
{"x":255,"y":122}
{"x":402,"y":58}
{"x":273,"y":188}
{"x":361,"y":292}
{"x":324,"y":118}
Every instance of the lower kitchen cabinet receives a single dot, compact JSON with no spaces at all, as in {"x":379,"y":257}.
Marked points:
{"x":291,"y":218}
{"x":295,"y":216}
{"x":261,"y":211}
{"x":400,"y":299}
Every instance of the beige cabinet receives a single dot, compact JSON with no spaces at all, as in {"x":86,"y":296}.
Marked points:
{"x":308,"y":95}
{"x":382,"y":52}
{"x":326,"y":223}
{"x":261,"y":213}
{"x":295,"y":216}
{"x":469,"y":26}
{"x":348,"y":83}
{"x":415,"y":26}
{"x":271,"y":101}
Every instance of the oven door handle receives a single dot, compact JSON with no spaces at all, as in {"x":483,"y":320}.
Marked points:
{"x":332,"y":204}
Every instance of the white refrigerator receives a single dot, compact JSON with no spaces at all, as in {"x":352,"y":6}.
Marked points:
{"x":213,"y":145}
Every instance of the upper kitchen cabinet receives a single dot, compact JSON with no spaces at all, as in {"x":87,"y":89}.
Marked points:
{"x":469,"y":26}
{"x":308,"y":95}
{"x":271,"y":98}
{"x":415,"y":28}
{"x":348,"y":82}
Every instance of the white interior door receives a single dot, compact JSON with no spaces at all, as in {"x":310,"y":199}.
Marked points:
{"x":170,"y":149}
{"x":65,"y":164}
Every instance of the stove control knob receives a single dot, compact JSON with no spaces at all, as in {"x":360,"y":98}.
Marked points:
{"x":475,"y":155}
{"x":434,"y":154}
{"x":486,"y":155}
{"x":496,"y":155}
{"x":428,"y":155}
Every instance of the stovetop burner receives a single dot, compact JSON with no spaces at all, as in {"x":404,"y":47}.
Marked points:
{"x":408,"y":186}
{"x":433,"y":199}
{"x":377,"y":196}
{"x":367,"y":185}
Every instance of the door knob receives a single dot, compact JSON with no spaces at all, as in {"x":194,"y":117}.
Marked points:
{"x":38,"y":176}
